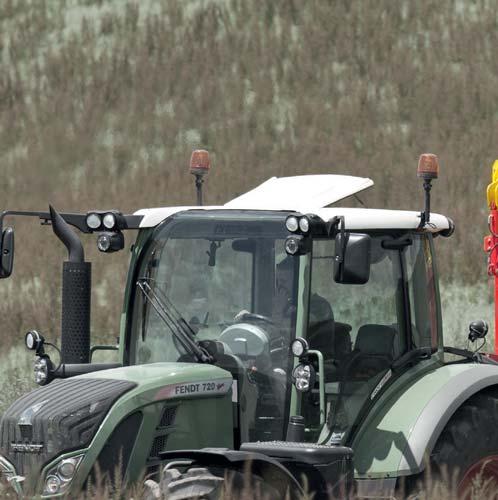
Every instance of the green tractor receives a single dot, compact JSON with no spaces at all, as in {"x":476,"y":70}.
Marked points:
{"x":268,"y":340}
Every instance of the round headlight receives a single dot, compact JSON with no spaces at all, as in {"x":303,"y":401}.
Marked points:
{"x":104,"y":242}
{"x":52,"y":485}
{"x":67,"y":468}
{"x":292,"y":224}
{"x":304,"y":224}
{"x":41,"y":370}
{"x":93,"y":221}
{"x":31,"y":339}
{"x":299,"y":347}
{"x":109,"y":221}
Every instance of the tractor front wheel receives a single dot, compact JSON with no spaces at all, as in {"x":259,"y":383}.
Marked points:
{"x":466,"y":453}
{"x":209,"y":484}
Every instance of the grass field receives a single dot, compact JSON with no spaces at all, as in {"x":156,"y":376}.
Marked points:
{"x":102,"y":101}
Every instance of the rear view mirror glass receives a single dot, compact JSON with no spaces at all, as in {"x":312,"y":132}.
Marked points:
{"x":352,"y":265}
{"x":7,"y":253}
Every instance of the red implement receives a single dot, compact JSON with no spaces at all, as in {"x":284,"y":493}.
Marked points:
{"x":491,"y":241}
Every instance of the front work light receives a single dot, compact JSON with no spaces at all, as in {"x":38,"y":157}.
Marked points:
{"x":42,"y":370}
{"x":292,"y":224}
{"x":34,"y":340}
{"x":304,"y":224}
{"x":297,"y":244}
{"x":303,"y":377}
{"x":299,"y":347}
{"x":109,"y":221}
{"x":110,"y":242}
{"x":112,"y":220}
{"x":93,"y":221}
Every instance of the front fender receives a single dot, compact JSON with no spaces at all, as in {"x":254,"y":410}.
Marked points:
{"x":404,"y":426}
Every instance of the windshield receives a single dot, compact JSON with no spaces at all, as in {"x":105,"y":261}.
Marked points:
{"x":227,"y":280}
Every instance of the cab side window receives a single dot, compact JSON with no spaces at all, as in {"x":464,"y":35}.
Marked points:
{"x":368,"y":317}
{"x":422,"y":290}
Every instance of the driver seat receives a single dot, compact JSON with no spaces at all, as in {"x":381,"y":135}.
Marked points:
{"x":375,"y":345}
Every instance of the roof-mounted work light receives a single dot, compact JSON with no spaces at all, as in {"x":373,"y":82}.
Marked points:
{"x":428,"y":169}
{"x":109,"y":242}
{"x":199,"y":167}
{"x":110,"y":220}
{"x":93,"y":221}
{"x":306,"y":224}
{"x":292,"y":223}
{"x":297,"y":244}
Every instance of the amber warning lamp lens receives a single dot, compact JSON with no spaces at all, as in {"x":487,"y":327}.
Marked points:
{"x":428,"y":169}
{"x":199,"y":166}
{"x":199,"y":162}
{"x":428,"y":166}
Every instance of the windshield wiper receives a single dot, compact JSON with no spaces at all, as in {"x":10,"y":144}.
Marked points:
{"x":174,"y":321}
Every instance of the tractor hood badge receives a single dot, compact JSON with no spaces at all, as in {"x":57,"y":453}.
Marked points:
{"x":26,"y":448}
{"x":25,"y":424}
{"x":26,"y":418}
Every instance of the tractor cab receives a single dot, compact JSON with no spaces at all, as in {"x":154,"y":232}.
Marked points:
{"x":312,"y":314}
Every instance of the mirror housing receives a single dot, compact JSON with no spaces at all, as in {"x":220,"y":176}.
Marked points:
{"x":7,"y":252}
{"x":353,"y":258}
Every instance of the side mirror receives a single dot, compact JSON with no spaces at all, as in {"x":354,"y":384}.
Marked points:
{"x":353,"y":256}
{"x":7,"y":252}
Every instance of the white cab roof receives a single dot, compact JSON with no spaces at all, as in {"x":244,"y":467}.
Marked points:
{"x":309,"y":194}
{"x":303,"y":193}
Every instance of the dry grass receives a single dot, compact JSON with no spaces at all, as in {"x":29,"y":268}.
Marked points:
{"x":102,"y":101}
{"x":429,"y":489}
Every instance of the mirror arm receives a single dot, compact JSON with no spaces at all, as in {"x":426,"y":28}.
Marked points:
{"x":76,"y":220}
{"x":27,"y":214}
{"x":338,"y":224}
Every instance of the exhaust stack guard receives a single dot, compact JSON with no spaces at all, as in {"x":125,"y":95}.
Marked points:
{"x":76,"y":295}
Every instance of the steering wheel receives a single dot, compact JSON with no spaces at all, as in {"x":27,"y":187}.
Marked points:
{"x":249,"y":316}
{"x":277,"y":347}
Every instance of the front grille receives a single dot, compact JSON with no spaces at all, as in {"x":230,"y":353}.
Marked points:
{"x":168,"y":416}
{"x":158,"y":446}
{"x":163,"y":430}
{"x":56,"y":419}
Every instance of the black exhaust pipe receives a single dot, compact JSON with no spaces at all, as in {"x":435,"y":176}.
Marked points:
{"x":76,"y":295}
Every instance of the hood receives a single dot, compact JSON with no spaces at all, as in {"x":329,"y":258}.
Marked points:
{"x":56,"y":419}
{"x":157,"y":381}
